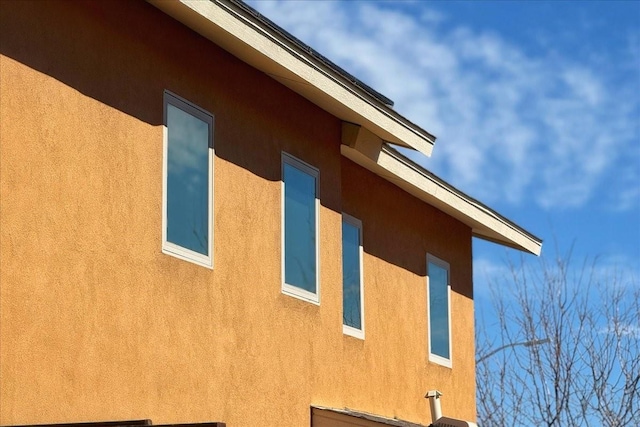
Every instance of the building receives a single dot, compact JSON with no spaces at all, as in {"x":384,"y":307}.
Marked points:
{"x":204,"y":220}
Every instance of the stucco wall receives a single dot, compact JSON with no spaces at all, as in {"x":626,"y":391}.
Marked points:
{"x":398,"y":232}
{"x":97,"y":324}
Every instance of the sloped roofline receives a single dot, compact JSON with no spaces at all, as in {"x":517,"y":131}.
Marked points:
{"x":254,"y":39}
{"x":366,"y":149}
{"x":395,"y":422}
{"x":485,"y":223}
{"x":246,"y":34}
{"x":314,"y":53}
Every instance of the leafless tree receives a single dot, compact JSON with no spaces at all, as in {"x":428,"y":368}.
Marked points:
{"x":568,"y":341}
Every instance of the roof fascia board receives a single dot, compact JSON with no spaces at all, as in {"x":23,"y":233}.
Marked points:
{"x":244,"y":36}
{"x":361,"y":139}
{"x":394,"y":167}
{"x":341,"y":414}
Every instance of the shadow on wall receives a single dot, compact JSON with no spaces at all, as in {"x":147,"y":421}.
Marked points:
{"x":126,"y":54}
{"x":401,"y":229}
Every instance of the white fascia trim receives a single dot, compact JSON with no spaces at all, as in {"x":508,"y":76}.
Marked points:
{"x":484,"y":222}
{"x":246,"y":38}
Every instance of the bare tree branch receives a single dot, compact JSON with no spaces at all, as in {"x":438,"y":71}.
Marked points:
{"x":588,"y":373}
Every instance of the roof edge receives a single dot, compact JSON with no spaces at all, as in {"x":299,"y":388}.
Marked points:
{"x":508,"y":233}
{"x":311,"y":51}
{"x":249,"y":36}
{"x":395,"y":422}
{"x":485,"y":223}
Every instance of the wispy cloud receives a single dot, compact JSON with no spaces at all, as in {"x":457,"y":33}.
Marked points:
{"x":486,"y":272}
{"x":510,"y":125}
{"x":622,"y":330}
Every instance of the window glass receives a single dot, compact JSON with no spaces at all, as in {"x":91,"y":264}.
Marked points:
{"x":439,"y":310}
{"x":187,"y":181}
{"x":351,"y":276}
{"x":300,"y":269}
{"x":188,"y":172}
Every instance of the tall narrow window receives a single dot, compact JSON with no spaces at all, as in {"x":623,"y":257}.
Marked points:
{"x":187,"y":181}
{"x":352,"y":283}
{"x":300,"y":229}
{"x":438,"y":295}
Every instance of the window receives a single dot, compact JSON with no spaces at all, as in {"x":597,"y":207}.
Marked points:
{"x":439,"y":306}
{"x":300,"y":229}
{"x":352,"y":283}
{"x":187,"y":202}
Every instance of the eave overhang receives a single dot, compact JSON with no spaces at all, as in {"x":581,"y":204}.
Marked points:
{"x":343,"y":416}
{"x":369,"y":122}
{"x":379,"y":157}
{"x":255,"y":40}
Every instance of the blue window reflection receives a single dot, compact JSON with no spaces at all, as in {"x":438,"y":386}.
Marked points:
{"x":187,"y":180}
{"x":351,"y":297}
{"x":439,"y":310}
{"x":299,"y":228}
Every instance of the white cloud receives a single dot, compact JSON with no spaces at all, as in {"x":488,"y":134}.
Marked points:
{"x":189,"y":136}
{"x":486,"y":271}
{"x":509,"y":125}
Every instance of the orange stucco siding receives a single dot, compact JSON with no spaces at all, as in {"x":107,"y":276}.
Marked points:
{"x":398,"y":232}
{"x":97,"y":324}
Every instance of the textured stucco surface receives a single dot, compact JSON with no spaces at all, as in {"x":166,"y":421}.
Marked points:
{"x":97,"y":324}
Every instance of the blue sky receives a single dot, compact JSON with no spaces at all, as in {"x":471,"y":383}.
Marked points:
{"x":536,"y":106}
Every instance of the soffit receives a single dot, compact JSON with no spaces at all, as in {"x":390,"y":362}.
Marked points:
{"x":249,"y":38}
{"x":266,"y":47}
{"x":391,"y":165}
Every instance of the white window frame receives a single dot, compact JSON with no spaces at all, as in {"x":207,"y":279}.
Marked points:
{"x":435,"y":358}
{"x":288,"y":289}
{"x":170,"y":248}
{"x":346,"y":329}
